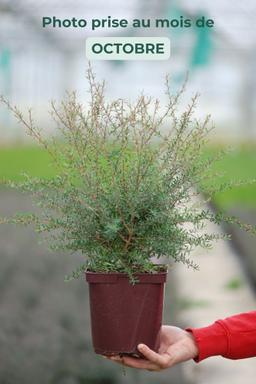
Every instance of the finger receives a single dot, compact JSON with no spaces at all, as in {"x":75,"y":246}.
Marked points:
{"x":116,"y":359}
{"x":162,"y":361}
{"x":134,"y":362}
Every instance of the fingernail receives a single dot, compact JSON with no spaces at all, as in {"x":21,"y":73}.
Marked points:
{"x":141,"y":347}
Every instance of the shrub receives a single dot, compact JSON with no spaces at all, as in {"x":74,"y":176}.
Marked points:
{"x":128,"y":177}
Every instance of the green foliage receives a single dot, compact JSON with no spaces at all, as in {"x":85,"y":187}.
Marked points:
{"x":125,"y":189}
{"x":238,"y":163}
{"x":234,"y":284}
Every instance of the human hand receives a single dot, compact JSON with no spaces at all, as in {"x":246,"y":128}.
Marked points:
{"x":176,"y":346}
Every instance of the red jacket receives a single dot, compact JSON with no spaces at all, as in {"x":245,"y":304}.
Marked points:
{"x":233,"y":337}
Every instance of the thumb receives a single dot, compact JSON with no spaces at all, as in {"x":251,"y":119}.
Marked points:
{"x":160,"y":360}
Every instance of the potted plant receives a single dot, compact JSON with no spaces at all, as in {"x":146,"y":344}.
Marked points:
{"x":125,"y":196}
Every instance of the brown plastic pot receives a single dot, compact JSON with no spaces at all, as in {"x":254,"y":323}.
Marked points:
{"x":124,"y":315}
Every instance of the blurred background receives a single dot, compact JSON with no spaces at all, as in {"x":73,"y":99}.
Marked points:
{"x":44,"y":323}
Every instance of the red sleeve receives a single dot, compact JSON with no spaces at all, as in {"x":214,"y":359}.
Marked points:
{"x":233,"y":337}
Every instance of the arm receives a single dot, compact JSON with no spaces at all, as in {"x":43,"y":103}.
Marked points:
{"x":233,"y":337}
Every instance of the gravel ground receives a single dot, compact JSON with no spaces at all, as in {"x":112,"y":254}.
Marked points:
{"x":44,"y":322}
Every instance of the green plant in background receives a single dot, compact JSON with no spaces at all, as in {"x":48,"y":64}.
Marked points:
{"x":125,"y":189}
{"x":14,"y":160}
{"x":234,"y":284}
{"x":187,"y":303}
{"x":239,"y":163}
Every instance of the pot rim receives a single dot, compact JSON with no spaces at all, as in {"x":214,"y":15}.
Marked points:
{"x":113,"y":277}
